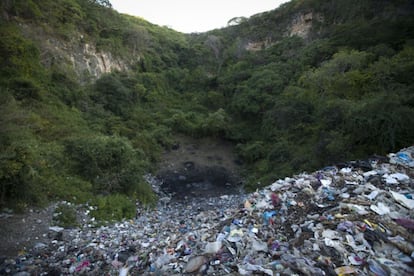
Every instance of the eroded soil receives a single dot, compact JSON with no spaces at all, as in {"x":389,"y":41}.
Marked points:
{"x":200,"y":168}
{"x":20,"y":232}
{"x":204,"y":152}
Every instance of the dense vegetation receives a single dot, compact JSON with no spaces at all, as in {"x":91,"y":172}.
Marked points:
{"x":343,"y":91}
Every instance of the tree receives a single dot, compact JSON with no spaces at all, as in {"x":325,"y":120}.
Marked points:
{"x":104,"y":3}
{"x":16,"y":151}
{"x":136,"y":38}
{"x":113,"y":94}
{"x":342,"y":76}
{"x":216,"y":123}
{"x":109,"y":162}
{"x":236,"y":20}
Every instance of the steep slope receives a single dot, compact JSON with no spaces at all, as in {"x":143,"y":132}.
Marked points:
{"x":313,"y":83}
{"x":56,"y":119}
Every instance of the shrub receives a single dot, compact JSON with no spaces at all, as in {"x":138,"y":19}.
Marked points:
{"x":112,"y":165}
{"x":65,"y":215}
{"x":113,"y":207}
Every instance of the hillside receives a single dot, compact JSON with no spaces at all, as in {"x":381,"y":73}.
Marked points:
{"x":90,"y":99}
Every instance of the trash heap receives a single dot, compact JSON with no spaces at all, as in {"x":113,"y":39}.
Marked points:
{"x":352,"y":219}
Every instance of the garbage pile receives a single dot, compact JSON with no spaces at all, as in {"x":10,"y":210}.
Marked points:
{"x":352,"y":219}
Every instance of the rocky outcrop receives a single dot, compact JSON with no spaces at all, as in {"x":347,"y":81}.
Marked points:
{"x":83,"y":58}
{"x":75,"y":55}
{"x":95,"y":63}
{"x":257,"y":46}
{"x":301,"y":24}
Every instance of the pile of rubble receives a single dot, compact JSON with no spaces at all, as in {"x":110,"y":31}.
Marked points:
{"x":356,"y":219}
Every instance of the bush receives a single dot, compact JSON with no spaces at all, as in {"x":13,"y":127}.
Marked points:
{"x":251,"y":152}
{"x":109,"y":162}
{"x":113,"y":95}
{"x":216,"y":123}
{"x":113,"y":207}
{"x":188,"y":123}
{"x":112,"y":165}
{"x":65,"y":216}
{"x":25,"y":89}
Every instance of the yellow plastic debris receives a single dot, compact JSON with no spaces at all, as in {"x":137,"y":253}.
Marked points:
{"x":345,"y":270}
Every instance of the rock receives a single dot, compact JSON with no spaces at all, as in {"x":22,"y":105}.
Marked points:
{"x":213,"y":247}
{"x":195,"y":264}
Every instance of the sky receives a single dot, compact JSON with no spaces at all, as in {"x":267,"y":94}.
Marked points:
{"x":190,"y":16}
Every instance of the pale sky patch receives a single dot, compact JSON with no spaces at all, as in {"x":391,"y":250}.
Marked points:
{"x":189,"y":16}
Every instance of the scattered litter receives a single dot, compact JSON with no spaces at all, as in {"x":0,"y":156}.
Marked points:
{"x":355,"y":220}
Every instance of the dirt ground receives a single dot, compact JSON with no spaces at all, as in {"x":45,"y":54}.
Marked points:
{"x":204,"y":152}
{"x":20,"y":232}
